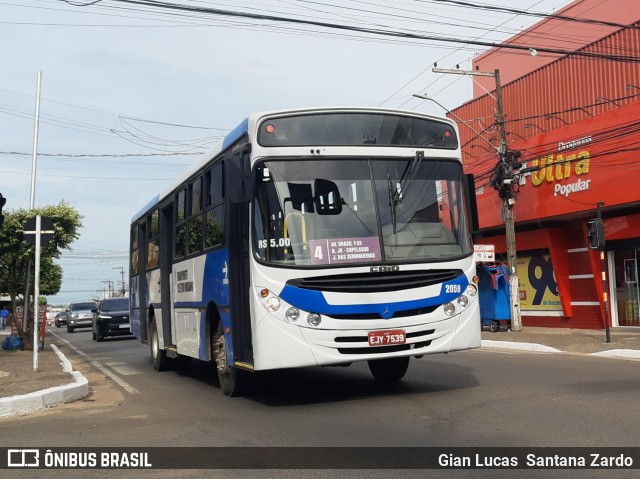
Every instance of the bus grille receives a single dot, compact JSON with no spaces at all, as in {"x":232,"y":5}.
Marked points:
{"x":376,"y":282}
{"x":398,"y":314}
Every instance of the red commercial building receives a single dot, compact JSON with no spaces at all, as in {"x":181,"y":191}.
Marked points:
{"x":575,"y":118}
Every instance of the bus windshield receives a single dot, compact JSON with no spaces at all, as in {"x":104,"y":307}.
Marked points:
{"x":368,"y":210}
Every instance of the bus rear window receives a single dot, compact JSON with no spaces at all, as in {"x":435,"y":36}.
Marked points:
{"x":356,"y":129}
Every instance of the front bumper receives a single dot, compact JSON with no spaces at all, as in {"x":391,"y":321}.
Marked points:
{"x":81,"y":323}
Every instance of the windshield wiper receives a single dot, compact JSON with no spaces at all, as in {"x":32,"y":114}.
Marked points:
{"x":402,"y":189}
{"x":392,"y":202}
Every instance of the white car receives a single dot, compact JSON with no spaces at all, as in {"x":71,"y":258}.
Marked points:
{"x":80,"y":315}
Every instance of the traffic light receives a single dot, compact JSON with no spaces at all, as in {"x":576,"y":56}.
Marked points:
{"x":3,"y":200}
{"x":595,"y":234}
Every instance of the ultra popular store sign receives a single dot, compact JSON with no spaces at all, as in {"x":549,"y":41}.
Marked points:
{"x":562,"y":170}
{"x":592,"y":166}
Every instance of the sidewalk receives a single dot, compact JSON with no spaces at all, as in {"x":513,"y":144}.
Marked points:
{"x":23,"y":390}
{"x":624,"y":342}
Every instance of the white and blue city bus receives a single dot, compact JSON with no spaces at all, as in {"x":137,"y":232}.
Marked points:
{"x":311,"y":237}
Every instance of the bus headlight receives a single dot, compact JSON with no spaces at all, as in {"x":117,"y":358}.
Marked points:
{"x":292,"y":314}
{"x":463,"y":301}
{"x":313,"y":319}
{"x":285,"y":312}
{"x":472,"y":290}
{"x":449,"y":309}
{"x":272,"y":304}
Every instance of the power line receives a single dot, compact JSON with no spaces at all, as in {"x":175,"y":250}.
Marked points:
{"x":96,"y":155}
{"x":29,"y":115}
{"x":373,"y":31}
{"x":495,"y":8}
{"x":136,"y":178}
{"x":186,"y":8}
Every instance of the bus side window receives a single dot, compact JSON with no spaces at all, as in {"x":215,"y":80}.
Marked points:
{"x":134,"y":250}
{"x":181,"y":226}
{"x":214,"y":227}
{"x":194,"y":228}
{"x":215,"y":184}
{"x":153,"y":249}
{"x":214,"y":220}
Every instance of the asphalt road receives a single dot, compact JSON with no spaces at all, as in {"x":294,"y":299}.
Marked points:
{"x":472,"y":398}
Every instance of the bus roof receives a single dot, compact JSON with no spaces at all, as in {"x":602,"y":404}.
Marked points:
{"x":243,"y":128}
{"x":228,"y":140}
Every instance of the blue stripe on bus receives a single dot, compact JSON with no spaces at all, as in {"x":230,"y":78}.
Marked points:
{"x":215,"y":287}
{"x":315,"y":302}
{"x":236,"y":133}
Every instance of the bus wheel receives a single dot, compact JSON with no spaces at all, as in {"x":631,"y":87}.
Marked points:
{"x":158,"y":356}
{"x":390,"y":369}
{"x":231,"y":379}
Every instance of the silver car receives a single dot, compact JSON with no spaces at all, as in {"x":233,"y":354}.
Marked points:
{"x":80,"y":315}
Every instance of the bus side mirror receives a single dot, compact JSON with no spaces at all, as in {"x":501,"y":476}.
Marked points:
{"x":327,"y":197}
{"x":239,"y":183}
{"x":471,"y":203}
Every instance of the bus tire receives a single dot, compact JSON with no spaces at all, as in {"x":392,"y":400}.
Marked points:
{"x":494,"y":326}
{"x":231,"y":379}
{"x":389,"y":369}
{"x":158,"y":356}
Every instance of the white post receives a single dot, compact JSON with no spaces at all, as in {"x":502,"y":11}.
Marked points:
{"x":36,"y":294}
{"x":34,"y":159}
{"x":32,"y":201}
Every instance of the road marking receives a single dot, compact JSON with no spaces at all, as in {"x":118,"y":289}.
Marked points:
{"x":121,"y":382}
{"x":123,"y":368}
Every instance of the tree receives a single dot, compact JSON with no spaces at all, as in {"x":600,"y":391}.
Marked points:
{"x":16,"y":255}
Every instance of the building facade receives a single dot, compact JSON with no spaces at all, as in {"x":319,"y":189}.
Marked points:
{"x":575,"y":118}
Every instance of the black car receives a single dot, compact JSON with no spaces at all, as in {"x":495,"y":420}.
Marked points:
{"x":61,"y":318}
{"x":111,"y":318}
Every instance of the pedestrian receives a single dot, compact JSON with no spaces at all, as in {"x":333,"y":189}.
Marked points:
{"x":4,"y":315}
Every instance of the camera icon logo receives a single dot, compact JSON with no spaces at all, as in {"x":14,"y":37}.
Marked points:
{"x":23,"y":458}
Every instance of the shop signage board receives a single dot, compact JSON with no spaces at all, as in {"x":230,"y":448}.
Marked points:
{"x":484,"y":253}
{"x":537,"y":284}
{"x":571,"y":170}
{"x":18,"y":318}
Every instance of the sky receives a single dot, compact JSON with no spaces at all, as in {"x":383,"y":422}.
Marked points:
{"x":131,"y":94}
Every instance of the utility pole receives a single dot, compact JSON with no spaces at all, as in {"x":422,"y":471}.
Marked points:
{"x":109,"y":283}
{"x":505,"y":180}
{"x":122,"y":274}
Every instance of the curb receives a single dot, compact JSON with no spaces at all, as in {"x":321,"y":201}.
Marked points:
{"x":26,"y":403}
{"x":618,"y":353}
{"x":485,"y":343}
{"x":513,"y":345}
